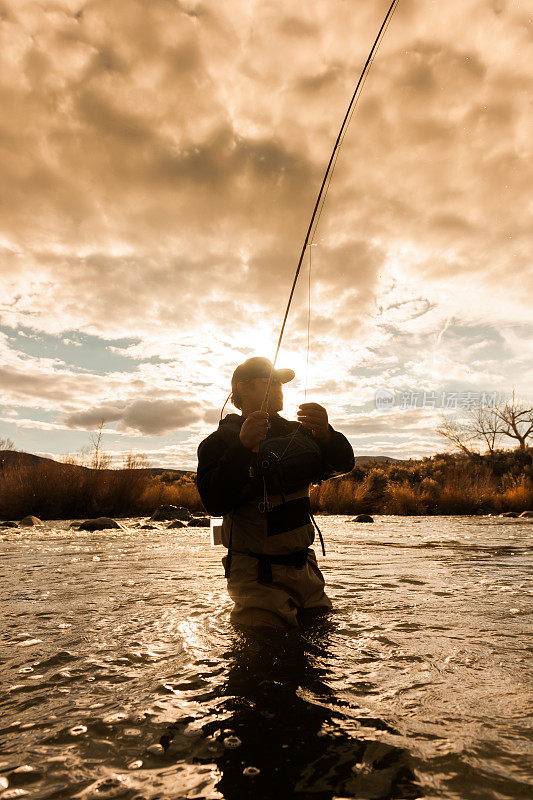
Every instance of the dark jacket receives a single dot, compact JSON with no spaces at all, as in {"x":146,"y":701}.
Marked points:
{"x":228,"y":476}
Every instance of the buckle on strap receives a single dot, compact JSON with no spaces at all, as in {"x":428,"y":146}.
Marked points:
{"x":297,"y":559}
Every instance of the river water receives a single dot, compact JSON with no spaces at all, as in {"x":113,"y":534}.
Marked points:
{"x":122,"y":677}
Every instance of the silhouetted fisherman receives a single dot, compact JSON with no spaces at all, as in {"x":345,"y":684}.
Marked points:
{"x":255,"y":471}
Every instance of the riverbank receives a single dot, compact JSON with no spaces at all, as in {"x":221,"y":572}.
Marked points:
{"x":52,"y":490}
{"x":444,"y":484}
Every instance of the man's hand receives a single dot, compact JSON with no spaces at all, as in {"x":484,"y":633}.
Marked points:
{"x":315,"y":418}
{"x":254,"y":429}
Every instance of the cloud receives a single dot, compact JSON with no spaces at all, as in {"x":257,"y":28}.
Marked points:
{"x":150,"y":417}
{"x":47,"y":387}
{"x":160,"y":163}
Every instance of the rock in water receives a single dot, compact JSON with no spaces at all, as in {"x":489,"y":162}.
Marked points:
{"x":99,"y":524}
{"x":177,"y":524}
{"x":526,"y":514}
{"x":28,"y":522}
{"x":156,"y":750}
{"x":509,"y":514}
{"x":9,"y":524}
{"x":168,"y":513}
{"x":200,"y":522}
{"x":363,"y":518}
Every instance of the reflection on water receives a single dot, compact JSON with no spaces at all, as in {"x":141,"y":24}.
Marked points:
{"x":311,"y":747}
{"x":281,"y":731}
{"x":123,"y":678}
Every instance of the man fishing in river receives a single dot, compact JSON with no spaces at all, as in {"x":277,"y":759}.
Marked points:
{"x":255,"y":471}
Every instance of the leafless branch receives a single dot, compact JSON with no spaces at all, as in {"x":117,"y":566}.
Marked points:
{"x":458,"y":434}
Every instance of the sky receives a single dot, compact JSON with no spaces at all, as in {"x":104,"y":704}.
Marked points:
{"x":159,"y":164}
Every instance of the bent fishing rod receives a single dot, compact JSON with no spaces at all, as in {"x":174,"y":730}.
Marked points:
{"x":327,"y":179}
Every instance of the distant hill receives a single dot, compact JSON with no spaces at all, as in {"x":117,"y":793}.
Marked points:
{"x":165,"y":470}
{"x":378,"y":459}
{"x":15,"y":457}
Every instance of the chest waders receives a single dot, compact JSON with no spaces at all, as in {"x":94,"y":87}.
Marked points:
{"x":285,"y":464}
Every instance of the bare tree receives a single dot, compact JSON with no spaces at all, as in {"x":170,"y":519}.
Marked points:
{"x":489,"y":424}
{"x":485,"y":425}
{"x":134,"y":461}
{"x":99,"y":460}
{"x":459,"y":434}
{"x":516,"y":417}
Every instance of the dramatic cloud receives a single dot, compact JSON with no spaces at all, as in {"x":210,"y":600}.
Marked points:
{"x":153,"y":417}
{"x":159,"y":163}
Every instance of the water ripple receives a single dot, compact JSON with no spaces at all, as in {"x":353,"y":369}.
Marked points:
{"x":123,"y":677}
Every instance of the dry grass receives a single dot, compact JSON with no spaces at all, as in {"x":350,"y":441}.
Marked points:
{"x":518,"y":497}
{"x":339,"y":496}
{"x":433,"y":486}
{"x":180,"y":493}
{"x":51,"y":490}
{"x":441,"y":485}
{"x":466,"y":491}
{"x":403,"y":499}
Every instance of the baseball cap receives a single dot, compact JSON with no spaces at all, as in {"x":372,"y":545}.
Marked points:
{"x":258,"y":367}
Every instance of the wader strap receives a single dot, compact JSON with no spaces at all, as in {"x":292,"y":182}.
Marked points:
{"x":227,"y":569}
{"x":319,"y":533}
{"x":297,"y":559}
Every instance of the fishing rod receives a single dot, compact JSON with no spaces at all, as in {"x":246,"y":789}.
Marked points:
{"x":327,"y":179}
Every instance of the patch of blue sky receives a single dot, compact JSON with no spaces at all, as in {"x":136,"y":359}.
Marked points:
{"x":28,"y":412}
{"x":79,"y":351}
{"x":57,"y":442}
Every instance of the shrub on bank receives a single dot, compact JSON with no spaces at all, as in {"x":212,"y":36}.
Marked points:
{"x":51,"y":490}
{"x":444,"y":484}
{"x":180,"y":492}
{"x":519,"y":496}
{"x":403,"y":499}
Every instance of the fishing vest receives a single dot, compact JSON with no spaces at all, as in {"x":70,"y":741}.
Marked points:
{"x":274,"y":523}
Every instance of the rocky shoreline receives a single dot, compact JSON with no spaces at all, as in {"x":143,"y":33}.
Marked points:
{"x":180,"y":517}
{"x":176,"y":516}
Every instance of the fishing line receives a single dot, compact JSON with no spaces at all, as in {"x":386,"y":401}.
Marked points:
{"x":327,"y":180}
{"x":311,"y":245}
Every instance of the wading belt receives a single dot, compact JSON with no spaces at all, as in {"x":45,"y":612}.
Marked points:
{"x":265,"y":561}
{"x":264,"y":567}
